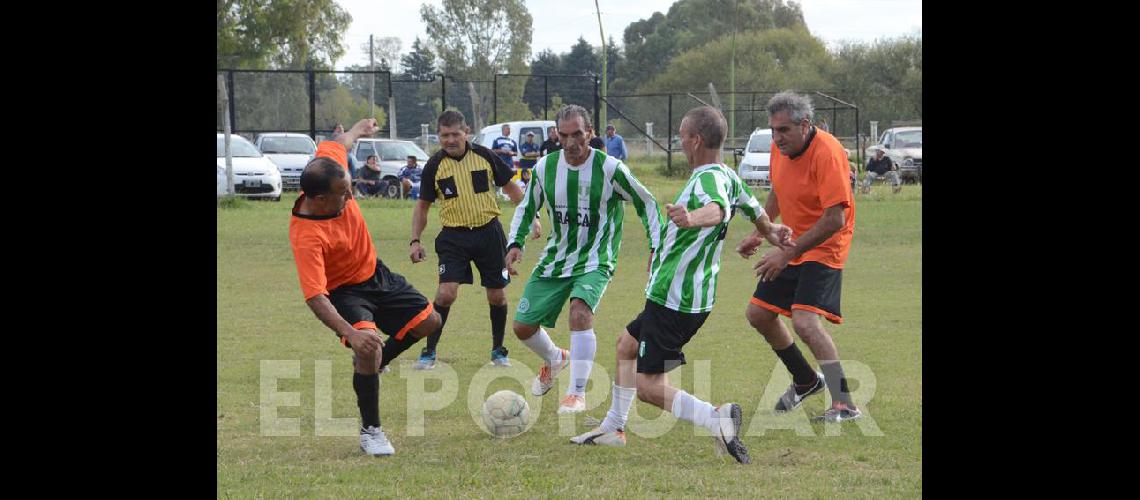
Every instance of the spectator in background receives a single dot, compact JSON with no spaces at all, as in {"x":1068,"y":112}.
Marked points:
{"x":506,"y":148}
{"x":368,"y":181}
{"x":615,"y":145}
{"x":551,"y":143}
{"x":881,"y":166}
{"x":530,"y":152}
{"x":410,"y":177}
{"x":597,"y":142}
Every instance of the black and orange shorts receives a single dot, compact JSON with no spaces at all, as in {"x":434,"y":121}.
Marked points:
{"x":385,"y":302}
{"x":809,"y":286}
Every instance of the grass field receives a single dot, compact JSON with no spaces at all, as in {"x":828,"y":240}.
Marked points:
{"x":263,"y":322}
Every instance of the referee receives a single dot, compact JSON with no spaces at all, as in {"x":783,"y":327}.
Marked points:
{"x":462,"y":177}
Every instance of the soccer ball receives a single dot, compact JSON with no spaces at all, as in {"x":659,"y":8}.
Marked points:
{"x":505,"y":414}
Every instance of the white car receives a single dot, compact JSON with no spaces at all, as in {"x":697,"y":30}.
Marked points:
{"x":393,"y":156}
{"x":903,"y":145}
{"x":255,"y":176}
{"x":756,"y":164}
{"x":290,"y":152}
{"x":489,"y":133}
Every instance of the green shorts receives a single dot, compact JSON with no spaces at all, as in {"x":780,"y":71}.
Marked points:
{"x":543,"y":298}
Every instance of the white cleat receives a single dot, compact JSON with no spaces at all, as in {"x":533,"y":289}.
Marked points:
{"x":727,"y":436}
{"x":597,"y":437}
{"x":375,"y":443}
{"x":572,"y":404}
{"x":546,"y":375}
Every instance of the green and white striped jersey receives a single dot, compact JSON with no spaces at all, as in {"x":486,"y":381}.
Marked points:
{"x":585,"y":208}
{"x":683,"y":275}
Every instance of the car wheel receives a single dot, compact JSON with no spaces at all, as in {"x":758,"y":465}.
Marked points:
{"x":393,"y":190}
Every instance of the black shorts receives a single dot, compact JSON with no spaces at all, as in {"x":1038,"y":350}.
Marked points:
{"x":809,"y":286}
{"x":385,"y":301}
{"x":486,"y":245}
{"x":662,"y":332}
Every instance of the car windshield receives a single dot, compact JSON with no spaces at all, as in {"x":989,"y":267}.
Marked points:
{"x":761,"y":143}
{"x":239,"y":148}
{"x":399,"y":151}
{"x":908,"y":139}
{"x":287,"y":145}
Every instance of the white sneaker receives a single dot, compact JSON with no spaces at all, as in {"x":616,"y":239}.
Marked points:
{"x":375,"y":443}
{"x":572,"y":404}
{"x":546,"y":375}
{"x":727,"y":436}
{"x":597,"y":437}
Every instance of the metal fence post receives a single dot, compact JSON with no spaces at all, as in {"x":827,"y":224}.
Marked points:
{"x":313,"y":104}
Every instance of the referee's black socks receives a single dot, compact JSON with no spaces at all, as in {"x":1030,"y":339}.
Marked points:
{"x":433,"y":339}
{"x":498,"y":325}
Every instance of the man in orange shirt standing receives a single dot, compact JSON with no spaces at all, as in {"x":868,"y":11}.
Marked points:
{"x":347,"y":287}
{"x":812,"y":193}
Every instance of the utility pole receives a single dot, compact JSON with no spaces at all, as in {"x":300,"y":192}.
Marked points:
{"x":605,"y":55}
{"x":226,"y":129}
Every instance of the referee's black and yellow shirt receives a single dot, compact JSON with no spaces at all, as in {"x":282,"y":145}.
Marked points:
{"x":466,"y":186}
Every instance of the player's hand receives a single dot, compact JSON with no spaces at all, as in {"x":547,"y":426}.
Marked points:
{"x":780,"y":236}
{"x":748,"y":247}
{"x":416,"y":252}
{"x":514,"y":255}
{"x":364,"y":128}
{"x":678,"y":214}
{"x":535,"y":230}
{"x":771,"y":264}
{"x":365,"y":343}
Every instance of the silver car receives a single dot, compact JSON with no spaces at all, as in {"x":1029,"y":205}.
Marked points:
{"x":903,"y":145}
{"x":393,"y":155}
{"x":290,"y":152}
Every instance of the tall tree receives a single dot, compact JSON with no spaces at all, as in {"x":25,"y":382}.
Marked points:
{"x":260,"y":34}
{"x":385,"y":52}
{"x":419,"y":64}
{"x":476,"y":39}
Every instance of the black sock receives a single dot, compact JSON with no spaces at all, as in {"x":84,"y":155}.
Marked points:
{"x":367,"y":389}
{"x":498,"y":325}
{"x":433,"y":339}
{"x":393,"y":347}
{"x":793,"y":359}
{"x":836,"y":382}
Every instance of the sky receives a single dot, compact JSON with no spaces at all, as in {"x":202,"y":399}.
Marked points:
{"x":558,"y":24}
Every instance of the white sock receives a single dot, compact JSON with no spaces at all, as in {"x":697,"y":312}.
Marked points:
{"x":542,"y":346}
{"x":687,"y":407}
{"x":583,"y":344}
{"x":619,"y":408}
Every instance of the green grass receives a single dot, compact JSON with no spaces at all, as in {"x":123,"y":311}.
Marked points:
{"x":261,"y":316}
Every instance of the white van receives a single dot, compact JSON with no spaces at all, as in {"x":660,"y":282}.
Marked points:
{"x":518,"y":133}
{"x":755,"y":165}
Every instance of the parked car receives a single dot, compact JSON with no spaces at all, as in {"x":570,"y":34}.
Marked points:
{"x":489,"y":133}
{"x":255,"y":176}
{"x":903,"y":145}
{"x":393,"y":155}
{"x":754,"y":167}
{"x":290,"y":152}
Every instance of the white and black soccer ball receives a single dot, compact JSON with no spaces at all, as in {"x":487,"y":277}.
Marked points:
{"x":505,"y":414}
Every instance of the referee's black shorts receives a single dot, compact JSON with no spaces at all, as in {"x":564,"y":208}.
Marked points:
{"x":485,"y":245}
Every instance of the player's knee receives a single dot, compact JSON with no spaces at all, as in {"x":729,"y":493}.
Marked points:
{"x":626,"y":346}
{"x":524,"y":331}
{"x":581,"y":317}
{"x":445,"y":297}
{"x":428,"y":325}
{"x":647,"y":390}
{"x":760,"y":318}
{"x":496,"y":297}
{"x":806,"y":324}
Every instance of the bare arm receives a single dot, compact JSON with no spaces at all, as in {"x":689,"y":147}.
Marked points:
{"x":832,"y":221}
{"x":323,"y":308}
{"x":771,"y":206}
{"x":706,"y":216}
{"x":514,"y":191}
{"x":419,"y":221}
